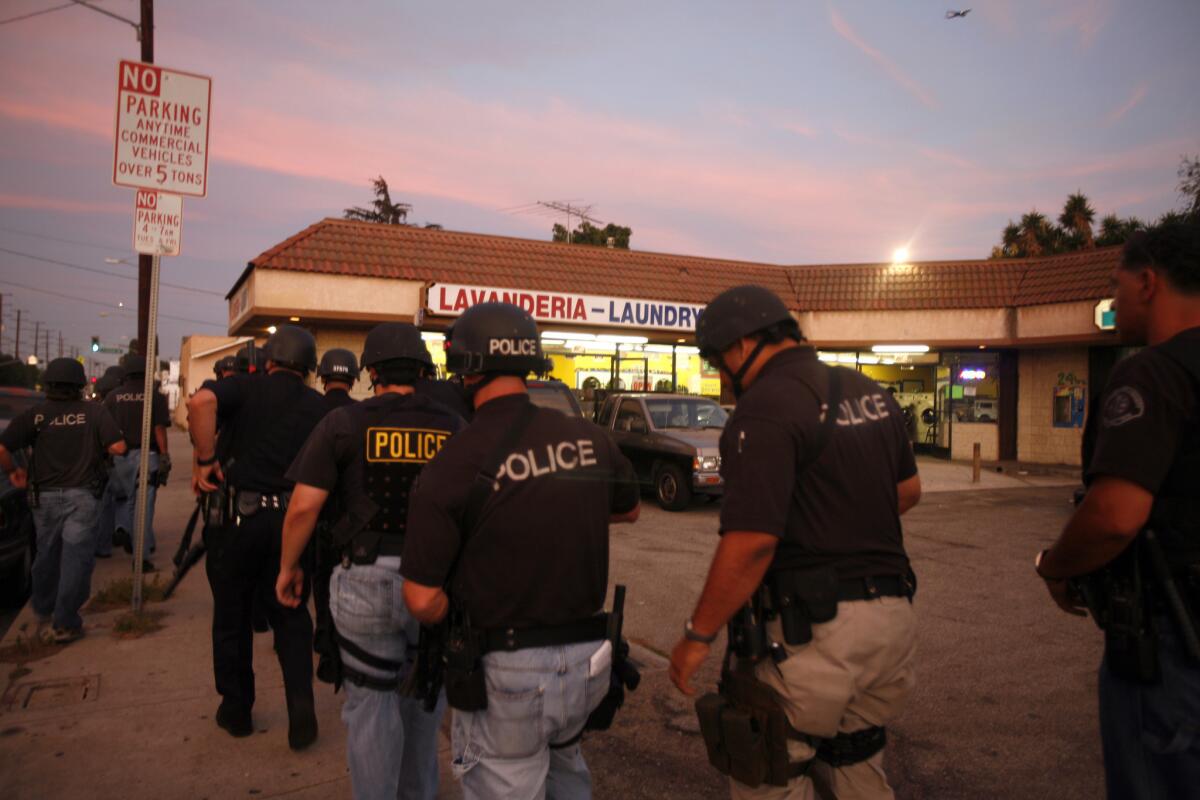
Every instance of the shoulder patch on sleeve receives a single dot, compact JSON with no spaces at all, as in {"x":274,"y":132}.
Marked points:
{"x":1124,"y":405}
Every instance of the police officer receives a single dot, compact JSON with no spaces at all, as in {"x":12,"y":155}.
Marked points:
{"x":527,"y":585}
{"x":265,"y":421}
{"x":224,"y":367}
{"x":250,"y":360}
{"x":106,"y":516}
{"x":447,"y":392}
{"x":71,"y":440}
{"x":338,"y":371}
{"x":1139,"y":523}
{"x":367,"y":455}
{"x":125,"y":403}
{"x":818,"y":469}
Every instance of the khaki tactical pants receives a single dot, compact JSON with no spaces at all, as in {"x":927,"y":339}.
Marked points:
{"x":856,"y":672}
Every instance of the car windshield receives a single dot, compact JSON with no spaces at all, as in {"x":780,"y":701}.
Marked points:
{"x":690,"y":413}
{"x":556,"y":397}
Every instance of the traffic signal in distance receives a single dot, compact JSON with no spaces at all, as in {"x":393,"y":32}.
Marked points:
{"x":95,"y":344}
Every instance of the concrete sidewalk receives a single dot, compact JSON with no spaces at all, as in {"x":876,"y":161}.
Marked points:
{"x":112,"y":718}
{"x":939,"y":475}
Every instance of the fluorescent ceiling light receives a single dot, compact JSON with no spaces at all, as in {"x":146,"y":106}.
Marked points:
{"x":847,"y":358}
{"x":657,"y":348}
{"x":433,"y":337}
{"x":546,"y":340}
{"x":570,"y":336}
{"x":900,"y":348}
{"x":607,"y":337}
{"x":827,"y":357}
{"x":688,"y":350}
{"x":868,"y":360}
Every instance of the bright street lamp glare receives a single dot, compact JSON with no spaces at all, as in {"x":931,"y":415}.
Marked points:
{"x":271,"y":329}
{"x":900,"y":255}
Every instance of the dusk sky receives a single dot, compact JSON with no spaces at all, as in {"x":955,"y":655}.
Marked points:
{"x":789,"y":133}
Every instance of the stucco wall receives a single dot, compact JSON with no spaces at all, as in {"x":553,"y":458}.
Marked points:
{"x":964,"y":435}
{"x":972,"y":326}
{"x":197,"y":355}
{"x":352,"y":340}
{"x":1038,"y":441}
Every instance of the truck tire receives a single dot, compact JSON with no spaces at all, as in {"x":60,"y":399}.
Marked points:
{"x":671,"y":487}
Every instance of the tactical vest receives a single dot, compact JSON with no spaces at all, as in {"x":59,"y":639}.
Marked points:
{"x":394,"y":452}
{"x":1176,"y":510}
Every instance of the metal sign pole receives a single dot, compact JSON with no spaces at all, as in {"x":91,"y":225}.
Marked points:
{"x":143,"y":479}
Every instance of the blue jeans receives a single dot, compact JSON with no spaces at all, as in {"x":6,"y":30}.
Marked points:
{"x":106,"y":521}
{"x":124,"y":481}
{"x":1151,"y":733}
{"x":66,"y":554}
{"x":536,"y":698}
{"x":391,"y":741}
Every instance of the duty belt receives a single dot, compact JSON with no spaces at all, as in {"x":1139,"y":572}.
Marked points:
{"x":509,"y":639}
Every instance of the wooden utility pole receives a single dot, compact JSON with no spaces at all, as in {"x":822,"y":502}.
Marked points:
{"x":146,"y":36}
{"x":60,"y":350}
{"x":37,"y":336}
{"x":17,"y":344}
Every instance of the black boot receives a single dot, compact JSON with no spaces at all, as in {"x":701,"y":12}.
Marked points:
{"x":235,"y":720}
{"x":302,"y":725}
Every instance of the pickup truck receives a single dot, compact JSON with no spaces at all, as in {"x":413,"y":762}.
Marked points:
{"x":672,"y":440}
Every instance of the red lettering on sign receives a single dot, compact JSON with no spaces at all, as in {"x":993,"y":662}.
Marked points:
{"x":543,"y":305}
{"x":142,"y":78}
{"x":579,"y":312}
{"x":558,"y":307}
{"x":460,"y":303}
{"x":147,"y":200}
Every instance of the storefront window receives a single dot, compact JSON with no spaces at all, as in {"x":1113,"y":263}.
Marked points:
{"x":974,"y":386}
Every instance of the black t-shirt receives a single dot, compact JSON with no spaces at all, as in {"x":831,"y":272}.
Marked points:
{"x":449,"y":394}
{"x":264,"y":423}
{"x":125,"y":405}
{"x":539,"y":555}
{"x":336,"y":398}
{"x":1148,"y":426}
{"x":844,"y":511}
{"x":70,"y":440}
{"x":334,"y":456}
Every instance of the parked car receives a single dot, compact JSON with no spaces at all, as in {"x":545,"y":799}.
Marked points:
{"x":17,"y":538}
{"x":672,"y":440}
{"x":554,"y":394}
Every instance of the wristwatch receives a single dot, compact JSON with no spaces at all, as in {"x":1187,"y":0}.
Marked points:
{"x":691,"y":635}
{"x":204,"y":462}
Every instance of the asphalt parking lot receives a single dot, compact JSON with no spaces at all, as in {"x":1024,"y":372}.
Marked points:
{"x":1005,"y":705}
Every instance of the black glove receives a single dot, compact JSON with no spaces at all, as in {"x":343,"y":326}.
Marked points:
{"x":164,"y":469}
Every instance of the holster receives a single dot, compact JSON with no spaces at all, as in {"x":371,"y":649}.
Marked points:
{"x":746,"y":731}
{"x":218,"y":509}
{"x":801,"y":597}
{"x":466,"y":683}
{"x":623,"y":677}
{"x":425,"y":679}
{"x":1116,"y":596}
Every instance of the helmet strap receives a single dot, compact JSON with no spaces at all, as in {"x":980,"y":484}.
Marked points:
{"x":736,"y":378}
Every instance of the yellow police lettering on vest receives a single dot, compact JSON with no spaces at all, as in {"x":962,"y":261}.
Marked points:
{"x":404,"y":445}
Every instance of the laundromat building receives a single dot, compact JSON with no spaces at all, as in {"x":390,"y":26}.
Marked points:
{"x":1001,"y":353}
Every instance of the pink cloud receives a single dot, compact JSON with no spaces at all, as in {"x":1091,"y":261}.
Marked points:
{"x":1083,"y":17}
{"x":1117,"y":114}
{"x":890,"y":67}
{"x":61,"y":204}
{"x":946,"y":158}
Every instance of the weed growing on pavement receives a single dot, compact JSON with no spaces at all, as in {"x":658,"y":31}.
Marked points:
{"x":119,"y":594}
{"x":26,"y":649}
{"x":134,"y":625}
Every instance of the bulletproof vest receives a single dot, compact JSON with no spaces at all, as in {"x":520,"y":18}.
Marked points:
{"x":394,"y":454}
{"x":1175,"y":515}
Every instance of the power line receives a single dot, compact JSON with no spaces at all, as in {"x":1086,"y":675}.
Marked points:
{"x":110,"y":274}
{"x":108,"y":248}
{"x":32,"y":14}
{"x":104,"y":305}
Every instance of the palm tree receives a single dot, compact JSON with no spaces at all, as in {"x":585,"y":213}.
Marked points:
{"x":383,"y":209}
{"x":1035,"y":236}
{"x":1076,"y":218}
{"x":1011,"y":240}
{"x":1114,"y":230}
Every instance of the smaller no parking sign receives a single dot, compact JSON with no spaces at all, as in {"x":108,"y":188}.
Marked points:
{"x":157,"y":223}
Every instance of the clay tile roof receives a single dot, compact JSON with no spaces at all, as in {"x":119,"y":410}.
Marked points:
{"x":409,"y":253}
{"x":404,"y":252}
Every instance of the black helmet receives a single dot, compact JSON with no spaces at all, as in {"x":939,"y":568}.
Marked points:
{"x":338,"y":363}
{"x":133,"y":364}
{"x":391,"y":341}
{"x":250,"y":358}
{"x":293,"y":347}
{"x":495,"y":337}
{"x":735,"y":313}
{"x":226,"y":364}
{"x":111,"y":379}
{"x":66,"y":371}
